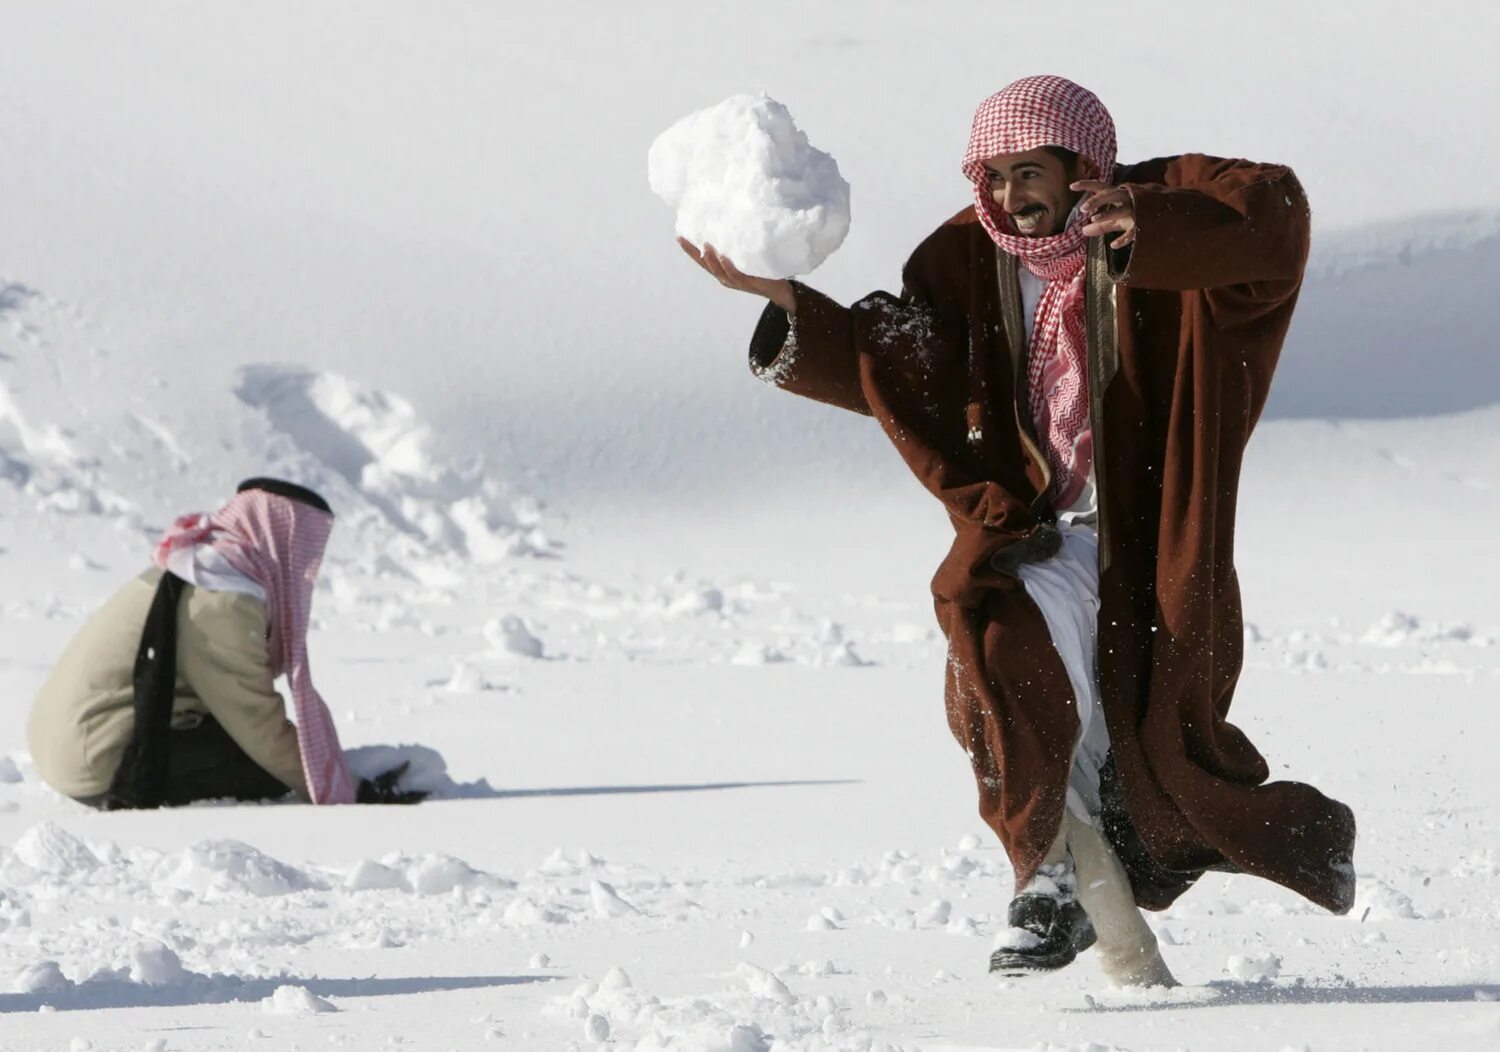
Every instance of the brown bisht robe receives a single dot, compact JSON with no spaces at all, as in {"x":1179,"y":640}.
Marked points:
{"x":1184,"y":328}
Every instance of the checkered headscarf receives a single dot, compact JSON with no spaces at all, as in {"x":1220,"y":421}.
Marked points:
{"x":1027,"y":115}
{"x":278,"y":543}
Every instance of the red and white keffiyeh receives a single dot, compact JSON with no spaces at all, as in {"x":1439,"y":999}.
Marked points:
{"x":1029,"y":114}
{"x":278,"y":543}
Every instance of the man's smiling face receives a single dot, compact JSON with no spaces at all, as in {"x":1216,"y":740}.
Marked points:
{"x":1032,"y":188}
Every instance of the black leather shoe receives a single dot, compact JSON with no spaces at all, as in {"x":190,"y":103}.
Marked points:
{"x":1046,"y":934}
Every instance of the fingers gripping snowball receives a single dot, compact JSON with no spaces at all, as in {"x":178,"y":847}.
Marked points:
{"x":745,"y":180}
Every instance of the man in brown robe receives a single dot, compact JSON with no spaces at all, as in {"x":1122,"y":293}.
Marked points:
{"x":1074,"y":367}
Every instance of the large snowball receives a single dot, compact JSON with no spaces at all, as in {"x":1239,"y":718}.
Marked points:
{"x":745,"y":180}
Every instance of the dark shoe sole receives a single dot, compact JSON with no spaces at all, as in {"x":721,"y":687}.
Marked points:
{"x":1017,"y":964}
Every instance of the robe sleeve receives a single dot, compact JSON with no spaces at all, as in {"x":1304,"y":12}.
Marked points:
{"x":1219,"y":225}
{"x":811,"y":353}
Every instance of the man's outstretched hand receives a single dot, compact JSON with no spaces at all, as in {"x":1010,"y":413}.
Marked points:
{"x":777,"y":290}
{"x":1108,"y":209}
{"x":382,"y":788}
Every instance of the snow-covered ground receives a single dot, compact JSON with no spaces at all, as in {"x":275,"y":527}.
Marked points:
{"x":668,"y":630}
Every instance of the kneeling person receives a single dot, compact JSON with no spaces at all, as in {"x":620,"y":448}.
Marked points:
{"x":165,"y":696}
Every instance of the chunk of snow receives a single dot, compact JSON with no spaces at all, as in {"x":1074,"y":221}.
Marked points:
{"x":1017,"y":939}
{"x":752,"y":655}
{"x":696,"y":601}
{"x":1376,"y":900}
{"x":438,"y":874}
{"x":615,"y":980}
{"x":1392,"y":630}
{"x":523,"y":912}
{"x":596,"y":1028}
{"x":607,"y":901}
{"x":48,"y":848}
{"x":744,"y":179}
{"x":844,"y":655}
{"x":762,"y":983}
{"x":369,"y":875}
{"x":935,"y":914}
{"x":509,"y":635}
{"x":155,"y":964}
{"x":43,"y":977}
{"x":964,"y":926}
{"x":1254,"y":967}
{"x":295,"y":1000}
{"x":467,"y":679}
{"x":230,"y":867}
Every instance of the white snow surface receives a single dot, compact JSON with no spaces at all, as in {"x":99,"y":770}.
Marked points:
{"x":658,"y":640}
{"x":744,"y":179}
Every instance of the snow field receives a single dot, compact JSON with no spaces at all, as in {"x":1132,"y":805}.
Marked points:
{"x":661,"y":701}
{"x":765,"y":922}
{"x":603,"y":589}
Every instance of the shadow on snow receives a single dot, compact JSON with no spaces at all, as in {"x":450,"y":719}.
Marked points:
{"x":223,"y":989}
{"x":1233,"y":995}
{"x":626,"y":790}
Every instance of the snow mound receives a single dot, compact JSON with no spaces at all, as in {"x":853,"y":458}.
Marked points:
{"x":596,"y":1028}
{"x":43,"y":977}
{"x":607,"y":901}
{"x":439,"y":874}
{"x":1254,"y":967}
{"x":23,"y":444}
{"x":764,"y":984}
{"x":468,"y":678}
{"x":1364,"y":305}
{"x":230,"y":867}
{"x":431,"y":874}
{"x":295,"y":1000}
{"x":155,"y":964}
{"x":1399,"y":628}
{"x":756,"y":654}
{"x":41,"y":453}
{"x":744,"y":179}
{"x":369,"y":875}
{"x":1402,"y":241}
{"x":50,"y":849}
{"x":1377,"y":900}
{"x":375,"y":441}
{"x":509,"y":635}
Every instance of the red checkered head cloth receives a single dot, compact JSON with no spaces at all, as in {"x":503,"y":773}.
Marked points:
{"x":1027,"y":115}
{"x":278,"y":543}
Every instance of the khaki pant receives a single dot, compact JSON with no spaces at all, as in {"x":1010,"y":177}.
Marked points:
{"x":1127,"y":948}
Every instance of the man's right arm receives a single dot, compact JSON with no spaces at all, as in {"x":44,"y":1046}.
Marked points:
{"x":810,"y":350}
{"x":804,"y":342}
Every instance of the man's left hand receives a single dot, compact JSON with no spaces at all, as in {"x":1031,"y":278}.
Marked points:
{"x":1107,"y":209}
